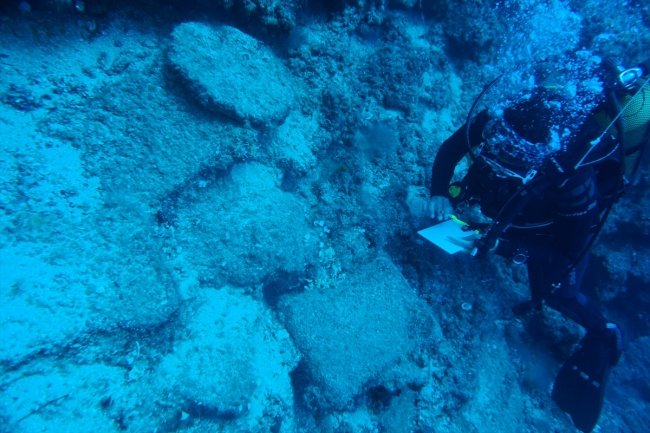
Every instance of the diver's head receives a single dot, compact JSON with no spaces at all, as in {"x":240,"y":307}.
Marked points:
{"x":538,"y":111}
{"x":522,"y":136}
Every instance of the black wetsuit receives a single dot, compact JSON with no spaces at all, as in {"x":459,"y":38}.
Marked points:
{"x":554,"y":229}
{"x":553,"y":217}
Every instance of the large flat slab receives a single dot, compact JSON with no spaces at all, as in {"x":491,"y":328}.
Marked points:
{"x":357,"y":328}
{"x":231,"y":72}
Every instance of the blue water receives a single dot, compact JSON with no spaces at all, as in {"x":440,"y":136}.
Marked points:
{"x":209,"y":216}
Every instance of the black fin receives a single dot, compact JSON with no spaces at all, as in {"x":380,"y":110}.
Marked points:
{"x":579,"y":387}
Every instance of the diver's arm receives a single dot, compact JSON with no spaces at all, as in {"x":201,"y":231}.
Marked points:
{"x":451,"y":152}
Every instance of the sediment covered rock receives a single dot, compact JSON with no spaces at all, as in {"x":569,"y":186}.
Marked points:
{"x":234,"y":364}
{"x":246,"y":228}
{"x":355,"y":329}
{"x":231,"y":72}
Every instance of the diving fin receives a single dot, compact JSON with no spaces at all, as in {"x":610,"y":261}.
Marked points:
{"x":579,"y":387}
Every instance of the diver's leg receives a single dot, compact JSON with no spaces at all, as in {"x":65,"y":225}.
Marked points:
{"x":565,"y":296}
{"x":538,"y":275}
{"x":579,"y":388}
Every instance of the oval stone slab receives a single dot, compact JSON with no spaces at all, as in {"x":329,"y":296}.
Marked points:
{"x":231,"y":72}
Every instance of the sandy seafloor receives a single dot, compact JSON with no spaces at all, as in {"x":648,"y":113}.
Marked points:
{"x":208,"y":221}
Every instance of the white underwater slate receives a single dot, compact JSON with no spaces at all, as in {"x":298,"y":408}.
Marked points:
{"x":448,"y":235}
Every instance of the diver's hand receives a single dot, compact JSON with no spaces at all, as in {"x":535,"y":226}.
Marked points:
{"x":440,"y":208}
{"x":467,"y":243}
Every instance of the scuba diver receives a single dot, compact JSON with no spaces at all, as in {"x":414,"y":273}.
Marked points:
{"x":547,"y":157}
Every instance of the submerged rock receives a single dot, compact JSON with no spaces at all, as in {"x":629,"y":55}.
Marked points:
{"x":294,"y":143}
{"x":354,"y":330}
{"x":67,"y":397}
{"x":234,"y":363}
{"x":245,"y":228}
{"x":272,"y":14}
{"x":231,"y":73}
